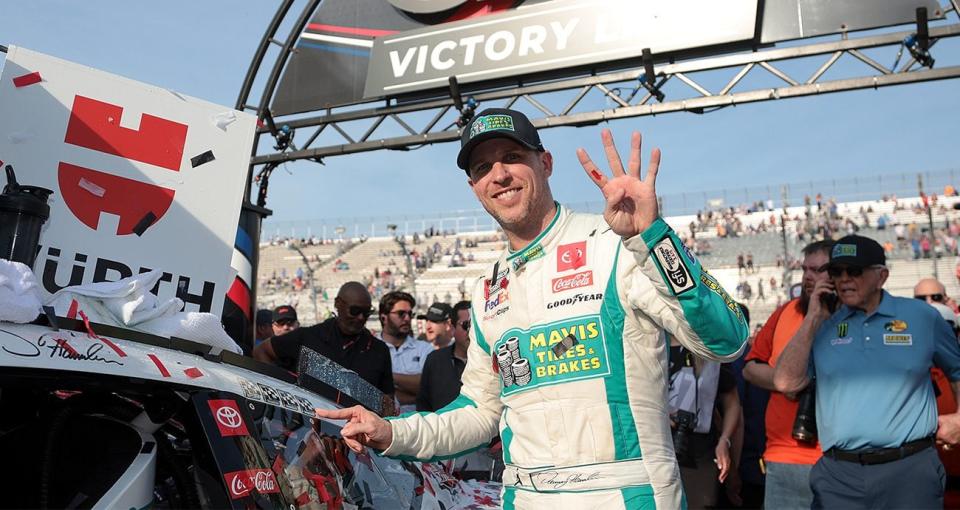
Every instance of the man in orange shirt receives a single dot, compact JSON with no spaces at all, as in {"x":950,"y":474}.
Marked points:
{"x":787,"y":460}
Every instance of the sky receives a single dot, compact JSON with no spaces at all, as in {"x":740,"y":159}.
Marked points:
{"x":203,"y":49}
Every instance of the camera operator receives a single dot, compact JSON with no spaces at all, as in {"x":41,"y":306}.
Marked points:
{"x":706,"y":450}
{"x":876,"y":409}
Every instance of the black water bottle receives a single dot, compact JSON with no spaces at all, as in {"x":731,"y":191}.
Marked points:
{"x":23,"y":211}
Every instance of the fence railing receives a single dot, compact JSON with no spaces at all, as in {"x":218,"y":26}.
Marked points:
{"x":847,"y":189}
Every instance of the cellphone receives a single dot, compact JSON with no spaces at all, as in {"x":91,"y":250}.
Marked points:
{"x":829,"y":300}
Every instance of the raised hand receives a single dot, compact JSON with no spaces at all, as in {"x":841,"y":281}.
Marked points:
{"x":363,"y":428}
{"x":631,"y":202}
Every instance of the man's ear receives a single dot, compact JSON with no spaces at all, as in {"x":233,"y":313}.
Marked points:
{"x":547,"y":159}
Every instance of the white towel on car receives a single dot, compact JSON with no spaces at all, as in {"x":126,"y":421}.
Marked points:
{"x":128,"y":303}
{"x":19,"y":293}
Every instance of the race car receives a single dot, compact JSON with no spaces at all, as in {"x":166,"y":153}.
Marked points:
{"x":93,"y":416}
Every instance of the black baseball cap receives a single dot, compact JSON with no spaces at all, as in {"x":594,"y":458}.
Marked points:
{"x":857,"y":251}
{"x":284,"y":312}
{"x":438,"y":312}
{"x":264,"y":317}
{"x":497,"y":123}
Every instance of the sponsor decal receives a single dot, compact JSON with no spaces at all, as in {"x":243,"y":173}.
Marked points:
{"x":228,"y":418}
{"x":499,"y":283}
{"x":497,"y":313}
{"x":277,"y":397}
{"x":844,"y":250}
{"x":673,"y":266}
{"x":241,"y":483}
{"x":528,"y":256}
{"x":500,"y":298}
{"x":571,"y":256}
{"x":842,"y":329}
{"x":575,"y":299}
{"x":897,"y":339}
{"x":895,"y":326}
{"x":841,"y":341}
{"x":491,"y":123}
{"x":574,"y":281}
{"x":530,"y":358}
{"x":711,"y":283}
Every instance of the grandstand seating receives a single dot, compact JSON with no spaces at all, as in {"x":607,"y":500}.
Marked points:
{"x":442,"y":282}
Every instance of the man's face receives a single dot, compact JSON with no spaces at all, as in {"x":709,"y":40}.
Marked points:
{"x":511,"y":181}
{"x":814,"y":270}
{"x":438,"y":332}
{"x":352,"y":312}
{"x":397,"y":323}
{"x":461,"y":334}
{"x":265,"y":330}
{"x":284,"y":326}
{"x":930,"y":290}
{"x":860,"y":290}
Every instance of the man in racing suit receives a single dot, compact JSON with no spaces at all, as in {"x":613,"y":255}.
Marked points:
{"x":567,"y":361}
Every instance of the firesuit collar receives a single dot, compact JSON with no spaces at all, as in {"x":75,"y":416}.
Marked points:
{"x":540,"y":239}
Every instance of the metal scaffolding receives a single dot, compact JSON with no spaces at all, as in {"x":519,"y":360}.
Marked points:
{"x":644,"y":95}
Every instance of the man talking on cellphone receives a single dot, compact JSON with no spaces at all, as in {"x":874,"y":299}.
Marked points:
{"x":876,"y":409}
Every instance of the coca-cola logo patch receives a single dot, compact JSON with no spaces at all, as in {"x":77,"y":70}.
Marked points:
{"x":574,"y":281}
{"x":241,"y":483}
{"x":228,"y":418}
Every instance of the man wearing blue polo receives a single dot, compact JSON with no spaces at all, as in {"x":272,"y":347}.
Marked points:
{"x":876,"y":409}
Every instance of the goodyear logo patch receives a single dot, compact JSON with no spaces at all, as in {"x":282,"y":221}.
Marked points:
{"x":895,"y":326}
{"x":491,"y":123}
{"x":558,"y":352}
{"x":842,"y":329}
{"x":844,"y":250}
{"x":895,"y":339}
{"x":711,"y":283}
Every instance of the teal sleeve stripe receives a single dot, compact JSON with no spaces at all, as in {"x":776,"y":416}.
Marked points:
{"x":506,"y":437}
{"x":509,"y":498}
{"x":638,"y":498}
{"x":478,"y":334}
{"x":655,"y":232}
{"x":460,"y":402}
{"x":710,"y":311}
{"x":625,"y":439}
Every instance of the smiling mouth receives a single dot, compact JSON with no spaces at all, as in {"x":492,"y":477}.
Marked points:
{"x":507,"y":193}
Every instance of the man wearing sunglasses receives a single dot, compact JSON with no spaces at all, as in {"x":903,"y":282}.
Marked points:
{"x":407,"y":354}
{"x":284,"y":320}
{"x":343,"y":339}
{"x":440,"y":383}
{"x":567,"y":360}
{"x":932,"y":291}
{"x":875,"y":407}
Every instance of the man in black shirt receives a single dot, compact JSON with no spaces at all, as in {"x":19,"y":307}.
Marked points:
{"x":440,"y":379}
{"x":344,"y":339}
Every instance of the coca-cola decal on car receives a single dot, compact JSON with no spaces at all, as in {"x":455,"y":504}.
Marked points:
{"x":228,"y":418}
{"x":574,"y":281}
{"x":241,"y":483}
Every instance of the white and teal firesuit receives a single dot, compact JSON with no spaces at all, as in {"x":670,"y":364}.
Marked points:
{"x":568,"y":360}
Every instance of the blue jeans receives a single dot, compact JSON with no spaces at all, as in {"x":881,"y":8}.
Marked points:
{"x":788,"y":486}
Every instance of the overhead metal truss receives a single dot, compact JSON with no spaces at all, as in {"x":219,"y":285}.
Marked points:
{"x":640,"y":102}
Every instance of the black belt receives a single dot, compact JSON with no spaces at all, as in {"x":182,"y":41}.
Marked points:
{"x":880,"y":455}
